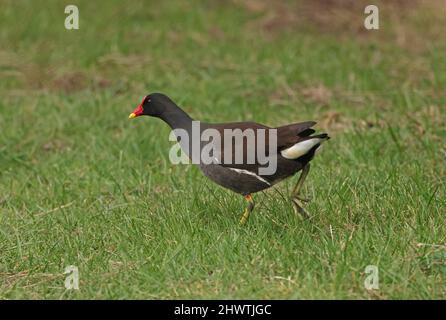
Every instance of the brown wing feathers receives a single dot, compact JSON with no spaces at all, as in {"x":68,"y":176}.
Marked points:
{"x":287,"y":136}
{"x":291,"y":134}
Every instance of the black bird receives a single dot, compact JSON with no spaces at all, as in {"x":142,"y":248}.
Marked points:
{"x":295,"y":146}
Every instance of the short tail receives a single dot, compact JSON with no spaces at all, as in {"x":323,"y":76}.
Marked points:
{"x":305,"y":146}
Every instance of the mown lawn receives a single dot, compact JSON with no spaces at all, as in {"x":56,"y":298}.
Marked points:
{"x":81,"y":185}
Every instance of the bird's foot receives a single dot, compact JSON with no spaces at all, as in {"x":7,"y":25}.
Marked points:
{"x":302,"y":198}
{"x":298,"y":209}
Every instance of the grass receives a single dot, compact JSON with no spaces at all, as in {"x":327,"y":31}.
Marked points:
{"x":81,"y":185}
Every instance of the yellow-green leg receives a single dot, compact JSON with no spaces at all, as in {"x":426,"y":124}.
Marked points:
{"x":296,"y":198}
{"x":248,"y":210}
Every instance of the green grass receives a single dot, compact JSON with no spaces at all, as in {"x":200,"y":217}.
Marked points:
{"x":81,"y":185}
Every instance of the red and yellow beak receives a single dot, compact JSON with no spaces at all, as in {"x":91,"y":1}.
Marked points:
{"x":137,"y":112}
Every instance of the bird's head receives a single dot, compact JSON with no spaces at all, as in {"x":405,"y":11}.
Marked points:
{"x":153,"y":104}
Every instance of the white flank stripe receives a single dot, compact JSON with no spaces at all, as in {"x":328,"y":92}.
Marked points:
{"x":251,"y":174}
{"x":300,"y":148}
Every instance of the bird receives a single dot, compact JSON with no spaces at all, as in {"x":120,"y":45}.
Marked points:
{"x":295,"y":146}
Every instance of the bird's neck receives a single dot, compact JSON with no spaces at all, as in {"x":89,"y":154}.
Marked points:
{"x":176,"y":118}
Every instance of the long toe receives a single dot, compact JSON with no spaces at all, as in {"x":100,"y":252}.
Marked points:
{"x":302,"y":198}
{"x":298,"y":209}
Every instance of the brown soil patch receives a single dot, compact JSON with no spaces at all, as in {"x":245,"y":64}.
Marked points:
{"x":70,"y":82}
{"x":318,"y":94}
{"x":413,"y":25}
{"x":55,"y":145}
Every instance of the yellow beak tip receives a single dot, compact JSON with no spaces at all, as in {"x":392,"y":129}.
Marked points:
{"x":132,"y":115}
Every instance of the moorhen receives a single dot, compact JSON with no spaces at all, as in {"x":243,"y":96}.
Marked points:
{"x":293,"y":149}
